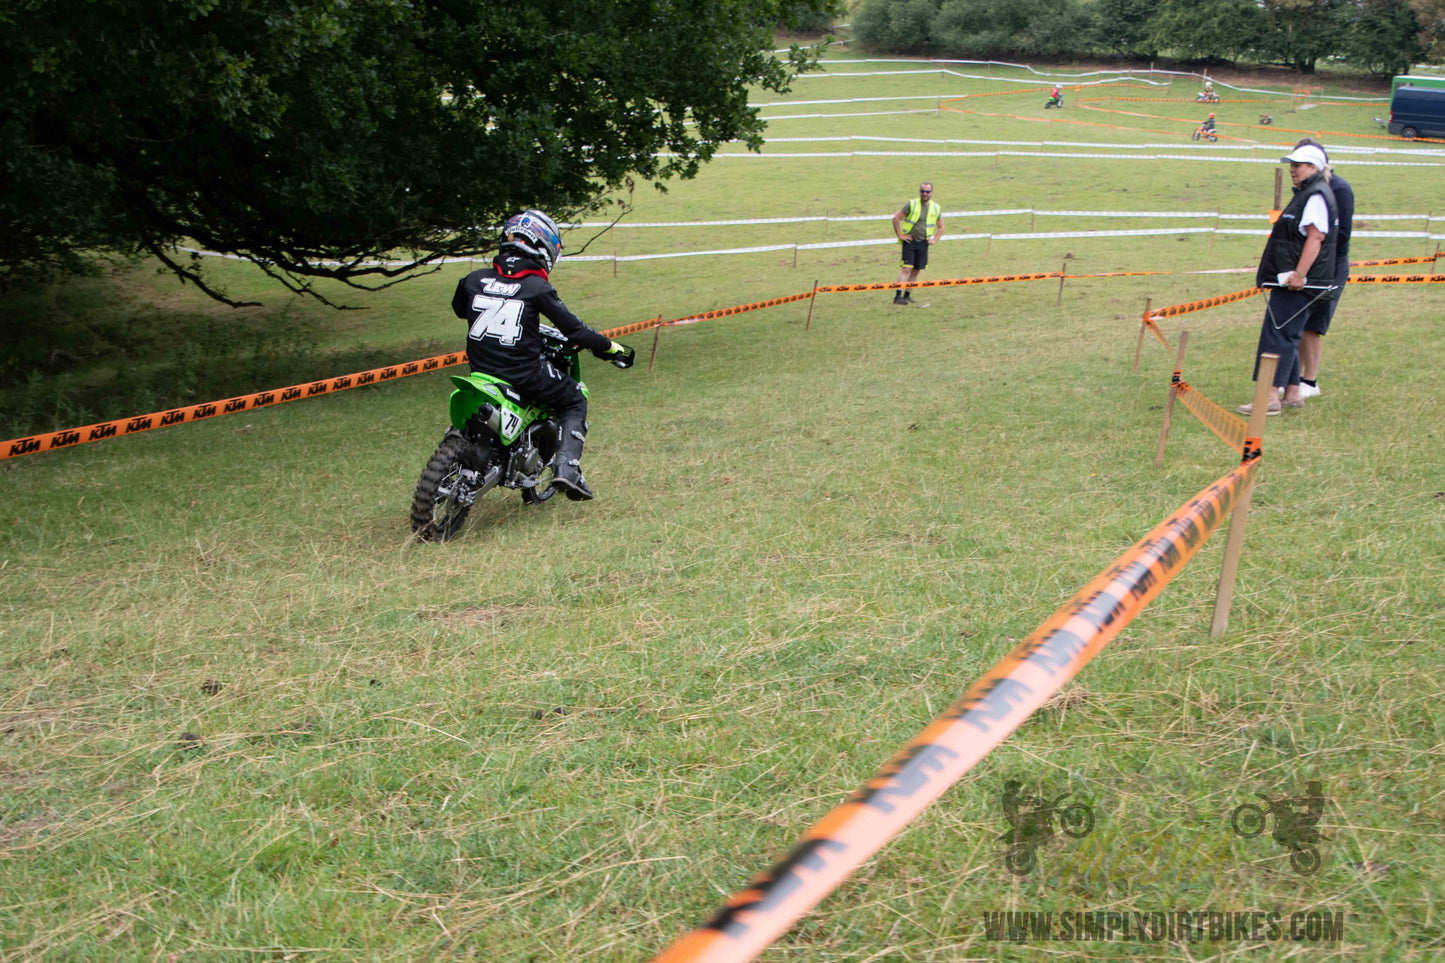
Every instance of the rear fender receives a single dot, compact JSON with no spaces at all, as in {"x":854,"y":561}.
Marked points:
{"x":474,"y":390}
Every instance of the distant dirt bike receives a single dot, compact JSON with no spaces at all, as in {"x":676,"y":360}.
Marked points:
{"x":495,"y":438}
{"x":1053,"y":102}
{"x":1207,"y":134}
{"x":1075,"y":820}
{"x":1251,"y":819}
{"x":1265,"y":120}
{"x":1206,"y":97}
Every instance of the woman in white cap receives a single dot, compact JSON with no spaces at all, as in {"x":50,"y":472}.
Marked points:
{"x":1298,"y":265}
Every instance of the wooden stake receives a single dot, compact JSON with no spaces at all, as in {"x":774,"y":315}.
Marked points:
{"x":1278,"y":188}
{"x":656,"y":333}
{"x":1143,"y":330}
{"x":614,"y":265}
{"x":795,"y":256}
{"x":811,"y":301}
{"x":1059,"y":302}
{"x":1173,"y":393}
{"x":1264,"y":393}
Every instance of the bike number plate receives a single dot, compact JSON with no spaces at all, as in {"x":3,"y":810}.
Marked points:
{"x":511,"y":423}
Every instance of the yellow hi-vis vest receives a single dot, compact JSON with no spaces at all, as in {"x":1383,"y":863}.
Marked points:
{"x":934,"y":213}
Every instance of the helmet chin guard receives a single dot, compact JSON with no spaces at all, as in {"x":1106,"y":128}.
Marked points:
{"x":535,"y":235}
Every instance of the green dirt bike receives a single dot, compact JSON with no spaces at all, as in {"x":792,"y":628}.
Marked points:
{"x":495,"y":439}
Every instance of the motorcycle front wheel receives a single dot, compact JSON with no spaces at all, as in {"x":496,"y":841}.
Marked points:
{"x":436,"y":513}
{"x":1076,"y":820}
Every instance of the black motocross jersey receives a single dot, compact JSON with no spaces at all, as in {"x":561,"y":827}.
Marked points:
{"x":502,"y":304}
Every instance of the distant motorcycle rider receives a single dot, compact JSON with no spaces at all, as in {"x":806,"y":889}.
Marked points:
{"x":503,"y":304}
{"x":1056,"y":96}
{"x":1208,"y":124}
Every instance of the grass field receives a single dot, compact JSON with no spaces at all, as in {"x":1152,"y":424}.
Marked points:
{"x":246,"y":717}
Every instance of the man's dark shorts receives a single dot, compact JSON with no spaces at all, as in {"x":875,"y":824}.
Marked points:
{"x":1322,"y":312}
{"x":915,"y":254}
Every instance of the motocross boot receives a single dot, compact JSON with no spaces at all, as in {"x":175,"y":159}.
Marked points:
{"x":566,"y":470}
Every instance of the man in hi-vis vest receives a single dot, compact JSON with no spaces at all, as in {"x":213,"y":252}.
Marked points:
{"x":918,"y":224}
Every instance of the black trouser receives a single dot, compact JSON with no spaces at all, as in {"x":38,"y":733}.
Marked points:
{"x":545,"y":385}
{"x":1284,"y":323}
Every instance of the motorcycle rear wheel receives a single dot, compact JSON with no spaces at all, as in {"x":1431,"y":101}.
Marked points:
{"x":436,"y":515}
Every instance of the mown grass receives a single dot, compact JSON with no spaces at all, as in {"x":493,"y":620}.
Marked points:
{"x":246,"y":717}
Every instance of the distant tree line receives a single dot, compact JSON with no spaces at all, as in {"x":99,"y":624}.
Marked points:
{"x":1373,"y":36}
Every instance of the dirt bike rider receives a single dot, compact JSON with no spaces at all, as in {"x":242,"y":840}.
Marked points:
{"x":1208,"y":92}
{"x":1056,"y":96}
{"x":1295,"y":829}
{"x":1208,"y":125}
{"x":503,"y":304}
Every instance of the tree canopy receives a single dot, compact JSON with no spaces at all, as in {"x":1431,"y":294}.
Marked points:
{"x":349,"y":131}
{"x":1378,"y":36}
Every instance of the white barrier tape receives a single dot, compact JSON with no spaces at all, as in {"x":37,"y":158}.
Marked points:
{"x":1139,"y":233}
{"x":864,"y":113}
{"x":827,"y":245}
{"x":1051,"y":156}
{"x":1269,"y":148}
{"x":856,"y":100}
{"x":1110,"y":77}
{"x":957,"y":214}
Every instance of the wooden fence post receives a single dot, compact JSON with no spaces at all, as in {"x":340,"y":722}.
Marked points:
{"x":1264,"y":393}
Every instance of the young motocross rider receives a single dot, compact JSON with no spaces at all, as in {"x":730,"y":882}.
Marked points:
{"x":502,"y":304}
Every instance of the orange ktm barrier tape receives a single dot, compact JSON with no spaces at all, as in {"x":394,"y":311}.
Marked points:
{"x":1398,"y":279}
{"x":1214,"y":302}
{"x":1158,"y":335}
{"x":71,"y":437}
{"x":723,"y":312}
{"x":1227,"y":426}
{"x":1381,"y":262}
{"x":963,"y":734}
{"x":950,"y":282}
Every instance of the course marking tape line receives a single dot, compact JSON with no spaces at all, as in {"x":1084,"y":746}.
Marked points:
{"x":120,"y":427}
{"x":1228,"y":426}
{"x":1380,"y":262}
{"x":1214,"y":302}
{"x":952,"y":282}
{"x":936,"y":758}
{"x":706,"y":315}
{"x":1397,"y":279}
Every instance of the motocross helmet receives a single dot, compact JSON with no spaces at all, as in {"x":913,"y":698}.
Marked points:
{"x":532,"y":234}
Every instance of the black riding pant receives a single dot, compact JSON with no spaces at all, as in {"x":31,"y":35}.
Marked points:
{"x":545,"y":385}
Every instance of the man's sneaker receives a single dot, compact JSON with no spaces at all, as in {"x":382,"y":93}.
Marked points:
{"x":907,"y":297}
{"x":898,"y":298}
{"x":1308,"y":391}
{"x":1275,"y":407}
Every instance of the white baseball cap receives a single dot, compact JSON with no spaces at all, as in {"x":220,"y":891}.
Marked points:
{"x":1308,"y":154}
